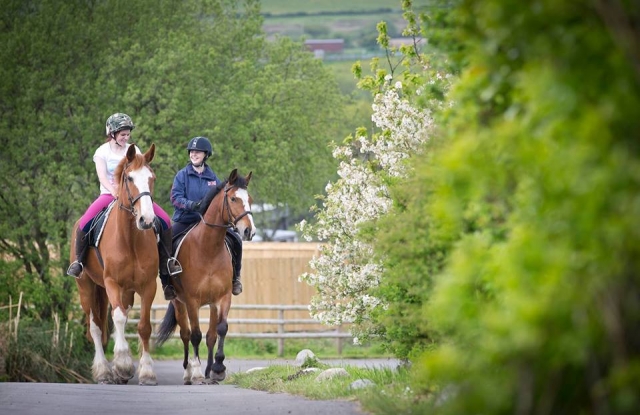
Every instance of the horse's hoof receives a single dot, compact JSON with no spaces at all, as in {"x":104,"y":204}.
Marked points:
{"x":148,"y":382}
{"x":218,"y":377}
{"x":121,"y":380}
{"x":214,"y":382}
{"x":123,"y":376}
{"x":187,"y":382}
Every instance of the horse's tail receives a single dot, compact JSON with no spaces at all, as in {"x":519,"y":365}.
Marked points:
{"x":167,"y":326}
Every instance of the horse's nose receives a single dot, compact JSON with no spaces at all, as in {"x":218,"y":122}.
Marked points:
{"x":247,"y":234}
{"x":144,"y":223}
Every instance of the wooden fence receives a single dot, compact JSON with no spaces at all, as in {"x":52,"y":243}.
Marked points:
{"x":282,"y":323}
{"x":274,"y":303}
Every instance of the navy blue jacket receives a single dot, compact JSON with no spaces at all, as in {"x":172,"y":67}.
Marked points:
{"x":189,"y":187}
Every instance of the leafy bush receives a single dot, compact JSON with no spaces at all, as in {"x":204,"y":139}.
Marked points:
{"x":516,"y":244}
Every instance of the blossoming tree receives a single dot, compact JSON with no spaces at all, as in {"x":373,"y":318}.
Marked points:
{"x":344,"y":272}
{"x":408,"y":91}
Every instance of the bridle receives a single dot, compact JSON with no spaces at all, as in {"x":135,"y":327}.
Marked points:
{"x":233,"y":220}
{"x":132,"y":200}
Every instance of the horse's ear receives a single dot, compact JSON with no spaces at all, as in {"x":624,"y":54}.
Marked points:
{"x":233,"y":176}
{"x":148,"y":156}
{"x":248,"y":178}
{"x":131,"y":153}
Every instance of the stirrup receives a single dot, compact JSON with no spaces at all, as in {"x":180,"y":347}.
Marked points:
{"x":173,"y":266}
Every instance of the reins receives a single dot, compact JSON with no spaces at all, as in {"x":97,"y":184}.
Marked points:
{"x":233,"y":220}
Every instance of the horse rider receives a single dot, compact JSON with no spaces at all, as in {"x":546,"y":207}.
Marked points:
{"x":107,"y":157}
{"x":190,"y":185}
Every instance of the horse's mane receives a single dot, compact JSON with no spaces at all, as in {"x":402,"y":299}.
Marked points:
{"x":241,"y":183}
{"x":137,"y":163}
{"x":206,"y":201}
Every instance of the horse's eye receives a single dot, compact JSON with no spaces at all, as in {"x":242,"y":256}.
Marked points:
{"x":130,"y":178}
{"x":233,"y":199}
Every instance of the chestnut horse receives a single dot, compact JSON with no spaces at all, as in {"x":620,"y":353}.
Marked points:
{"x":124,"y":263}
{"x":206,"y":277}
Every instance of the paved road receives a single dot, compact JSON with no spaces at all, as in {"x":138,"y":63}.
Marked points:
{"x":171,"y":396}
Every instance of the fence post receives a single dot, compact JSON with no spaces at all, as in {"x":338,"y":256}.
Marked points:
{"x":280,"y":331}
{"x":339,"y":340}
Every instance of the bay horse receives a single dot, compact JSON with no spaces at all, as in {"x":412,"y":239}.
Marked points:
{"x":206,"y":277}
{"x":125,"y":262}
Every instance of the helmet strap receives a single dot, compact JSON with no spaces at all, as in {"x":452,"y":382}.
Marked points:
{"x":201,"y":164}
{"x":113,"y":137}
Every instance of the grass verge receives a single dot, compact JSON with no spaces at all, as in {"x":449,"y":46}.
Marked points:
{"x":268,"y":349}
{"x":388,"y":392}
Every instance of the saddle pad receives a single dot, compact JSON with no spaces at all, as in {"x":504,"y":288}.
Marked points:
{"x":99,"y":222}
{"x":178,"y":243}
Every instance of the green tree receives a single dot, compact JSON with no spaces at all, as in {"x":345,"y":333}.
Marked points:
{"x":179,"y":69}
{"x":47,"y":61}
{"x":517,"y":237}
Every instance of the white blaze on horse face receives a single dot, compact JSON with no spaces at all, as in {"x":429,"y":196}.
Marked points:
{"x":243,"y":195}
{"x":144,"y":206}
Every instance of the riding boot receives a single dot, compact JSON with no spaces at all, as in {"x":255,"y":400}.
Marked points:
{"x":168,"y":265}
{"x":82,"y":246}
{"x":236,"y":259}
{"x":167,"y":287}
{"x":166,"y":240}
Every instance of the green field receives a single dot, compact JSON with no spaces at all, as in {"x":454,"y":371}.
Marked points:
{"x":333,"y":26}
{"x":353,"y":21}
{"x":315,"y":6}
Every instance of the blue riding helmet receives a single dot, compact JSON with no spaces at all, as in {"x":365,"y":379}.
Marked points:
{"x":200,"y":144}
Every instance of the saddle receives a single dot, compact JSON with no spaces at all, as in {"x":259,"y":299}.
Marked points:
{"x":97,"y":225}
{"x":232,"y":241}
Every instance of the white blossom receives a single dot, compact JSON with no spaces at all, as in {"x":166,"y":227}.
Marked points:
{"x":344,"y":271}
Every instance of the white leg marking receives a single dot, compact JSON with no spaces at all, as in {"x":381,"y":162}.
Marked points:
{"x":186,"y":377}
{"x":146,"y":375}
{"x":122,"y":362}
{"x":100,"y":368}
{"x":197,"y":377}
{"x":119,"y":321}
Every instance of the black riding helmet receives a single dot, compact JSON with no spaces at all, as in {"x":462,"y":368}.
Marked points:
{"x":200,"y":144}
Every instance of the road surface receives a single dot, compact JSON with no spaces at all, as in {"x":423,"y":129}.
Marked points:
{"x":171,"y":396}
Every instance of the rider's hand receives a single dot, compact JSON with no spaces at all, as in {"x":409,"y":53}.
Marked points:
{"x":196,"y":206}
